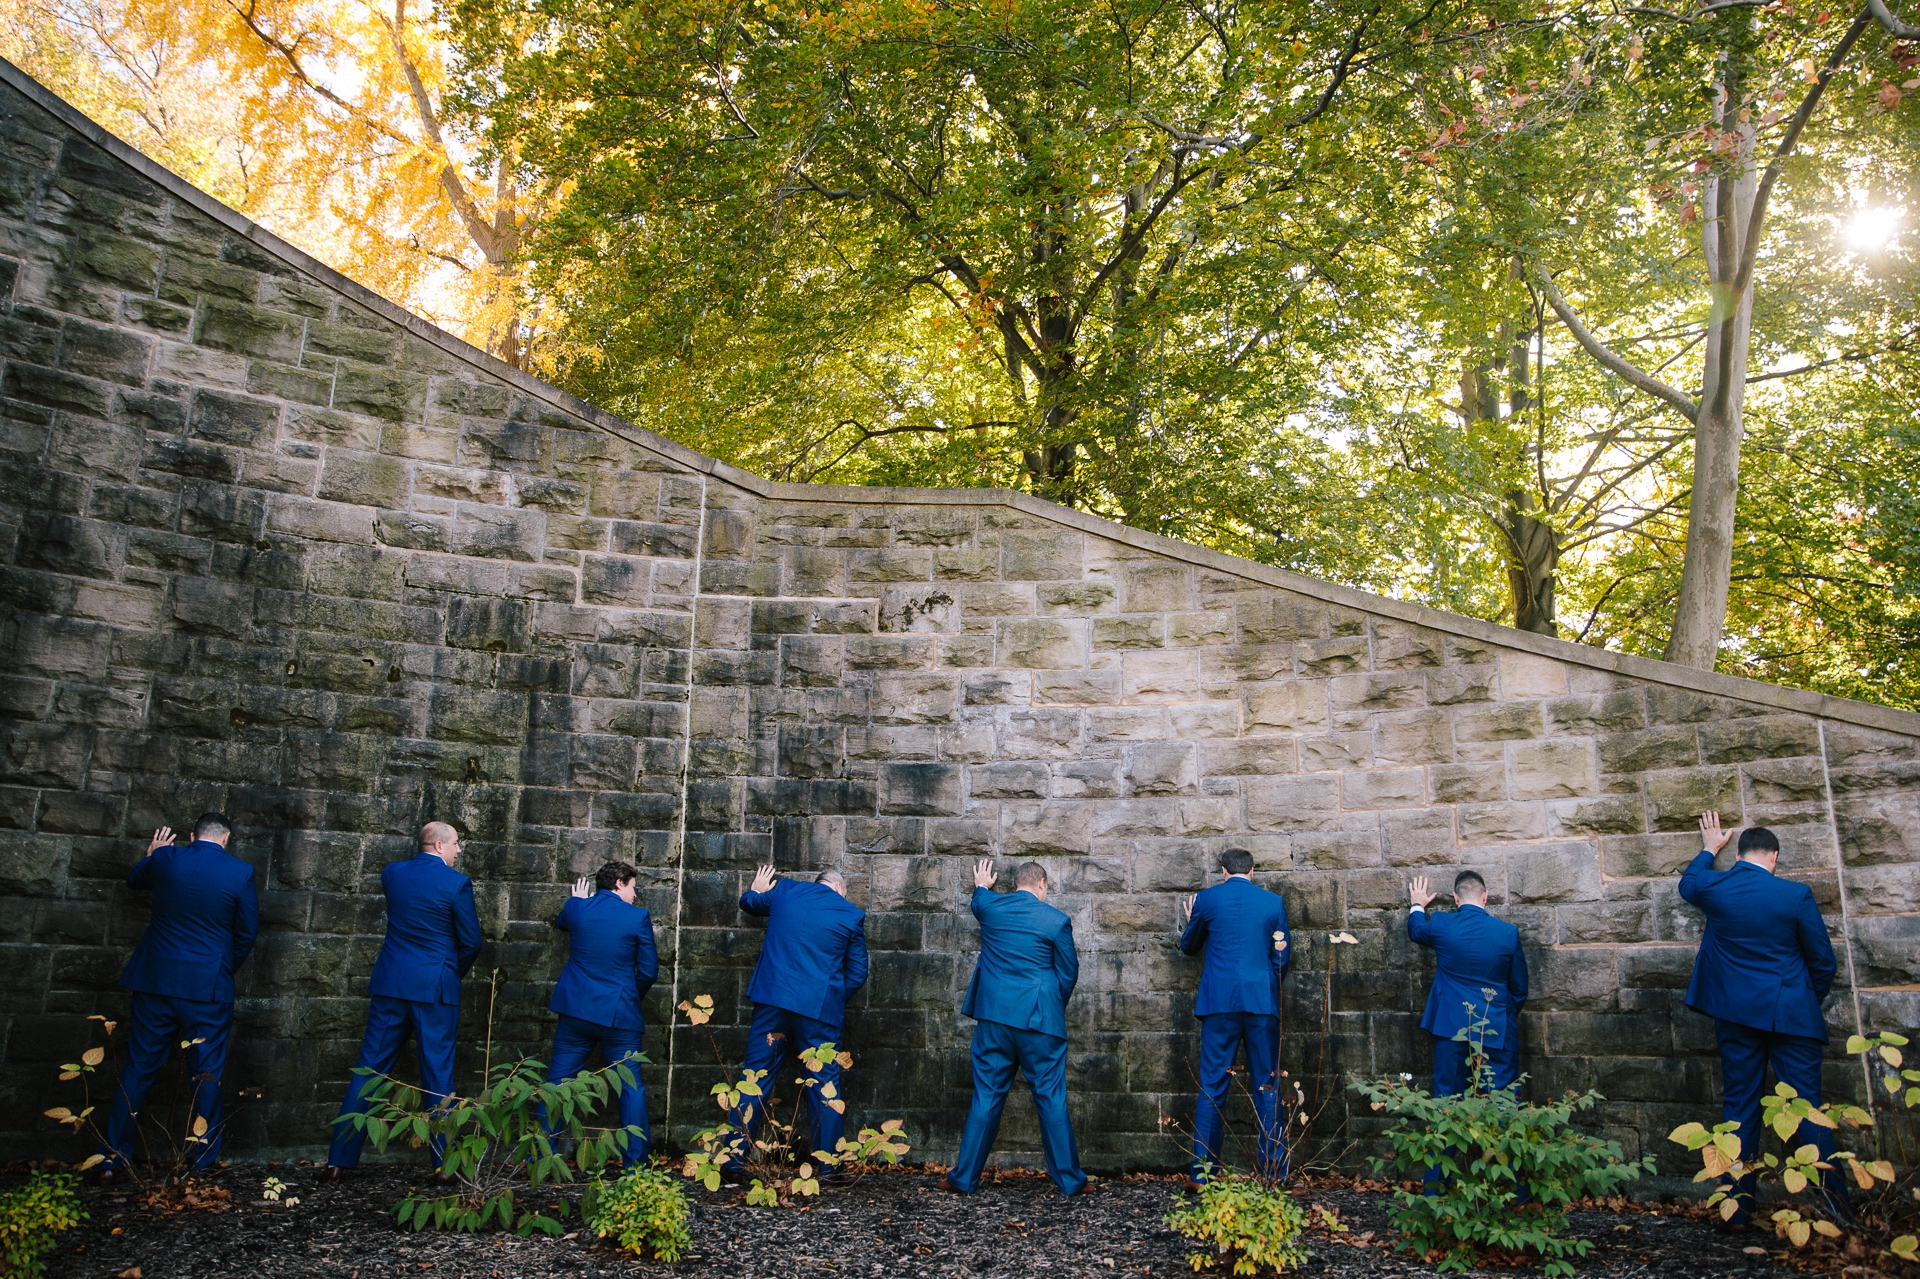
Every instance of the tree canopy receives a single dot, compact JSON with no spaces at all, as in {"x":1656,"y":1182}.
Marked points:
{"x":1592,"y":318}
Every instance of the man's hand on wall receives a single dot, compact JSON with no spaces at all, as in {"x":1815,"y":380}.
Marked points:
{"x":162,"y":838}
{"x":983,"y":873}
{"x":763,"y":879}
{"x":1186,"y":909}
{"x":582,"y":887}
{"x":1421,"y":891}
{"x":1712,"y":838}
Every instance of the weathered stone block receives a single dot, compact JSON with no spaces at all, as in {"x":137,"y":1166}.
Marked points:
{"x":490,"y":533}
{"x":1675,"y":800}
{"x":1554,"y":873}
{"x":921,"y":790}
{"x":1291,"y":803}
{"x":1550,"y":770}
{"x":1290,"y":707}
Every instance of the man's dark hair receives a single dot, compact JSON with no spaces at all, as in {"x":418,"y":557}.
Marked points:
{"x":212,"y":824}
{"x":612,"y":875}
{"x":1758,"y":839}
{"x":1469,"y":881}
{"x":1236,"y":861}
{"x":1029,"y":874}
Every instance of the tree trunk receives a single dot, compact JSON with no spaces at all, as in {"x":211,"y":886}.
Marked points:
{"x":1700,"y":611}
{"x":1533,"y":558}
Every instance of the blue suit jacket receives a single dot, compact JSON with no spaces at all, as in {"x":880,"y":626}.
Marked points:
{"x":1765,"y":961}
{"x":1028,"y":966}
{"x":205,"y":916}
{"x":1476,"y":952}
{"x":815,"y":952}
{"x":1233,"y":926}
{"x":433,"y":934}
{"x":611,"y":961}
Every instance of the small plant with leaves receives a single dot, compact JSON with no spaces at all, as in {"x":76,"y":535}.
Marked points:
{"x":274,"y":1190}
{"x":776,"y":1172}
{"x":1242,"y":1223}
{"x":172,"y":1170}
{"x":496,"y":1142}
{"x":30,"y":1217}
{"x":644,"y":1212}
{"x":1510,"y":1169}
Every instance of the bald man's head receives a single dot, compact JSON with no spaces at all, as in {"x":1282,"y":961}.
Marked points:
{"x":440,"y":839}
{"x":835,"y":880}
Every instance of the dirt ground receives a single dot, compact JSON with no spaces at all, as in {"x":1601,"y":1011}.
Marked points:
{"x":896,"y":1223}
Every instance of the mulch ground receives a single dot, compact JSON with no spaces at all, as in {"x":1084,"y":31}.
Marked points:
{"x":896,"y":1223}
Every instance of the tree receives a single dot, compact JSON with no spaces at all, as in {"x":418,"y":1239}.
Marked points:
{"x":319,"y":118}
{"x":1088,"y":247}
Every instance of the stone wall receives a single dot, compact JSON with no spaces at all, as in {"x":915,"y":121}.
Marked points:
{"x":274,"y":546}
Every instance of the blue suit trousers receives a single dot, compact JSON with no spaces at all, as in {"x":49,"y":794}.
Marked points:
{"x":775,"y":1036}
{"x":434,"y":1028}
{"x":574,"y":1042}
{"x":1221,"y":1035}
{"x":1745,"y":1054}
{"x":997,"y":1050}
{"x":1453,"y":1075}
{"x":159,"y":1023}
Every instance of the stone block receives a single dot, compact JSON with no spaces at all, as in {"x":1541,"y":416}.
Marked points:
{"x":1501,"y":722}
{"x":1042,"y":644}
{"x":1259,"y":756}
{"x":1384,"y":691}
{"x":921,"y":790}
{"x":1336,"y":849}
{"x":1675,"y":800}
{"x":1009,"y":781}
{"x":905,"y":564}
{"x":915,"y":698}
{"x":1129,"y":632}
{"x":1086,"y":779}
{"x":1383,"y":788}
{"x":1278,"y":617}
{"x":1039,"y":829}
{"x":1502,"y":822}
{"x":1467,"y":783}
{"x":1038,"y":734}
{"x":1524,"y":675}
{"x":1037,"y":556}
{"x":1413,"y":737}
{"x":1291,"y":707}
{"x":1419,"y":838}
{"x":1770,"y":737}
{"x":390,"y":394}
{"x":493,"y":533}
{"x":244,"y":329}
{"x":1291,"y":803}
{"x":1453,"y":685}
{"x":1336,"y":752}
{"x":1160,"y":768}
{"x":1550,"y":770}
{"x":1170,"y":675}
{"x":1612,"y":815}
{"x":1635,"y":752}
{"x":1554,"y":873}
{"x":1398,"y":646}
{"x":1076,"y":688}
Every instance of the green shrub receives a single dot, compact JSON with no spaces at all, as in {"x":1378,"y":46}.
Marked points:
{"x":31,"y":1215}
{"x":494,"y":1139}
{"x":1488,"y":1145}
{"x":645,"y":1212}
{"x":1251,"y":1225}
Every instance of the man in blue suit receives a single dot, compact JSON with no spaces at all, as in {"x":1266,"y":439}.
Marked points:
{"x":205,"y":916}
{"x":1481,"y":975}
{"x":1240,"y":929}
{"x":433,"y":937}
{"x":611,"y":964}
{"x":1018,"y":1000}
{"x":813,"y":958}
{"x":1765,"y":965}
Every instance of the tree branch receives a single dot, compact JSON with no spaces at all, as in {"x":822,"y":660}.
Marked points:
{"x":1788,"y":141}
{"x":1607,"y":359}
{"x":1897,"y":29}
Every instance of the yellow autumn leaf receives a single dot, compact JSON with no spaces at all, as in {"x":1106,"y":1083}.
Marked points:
{"x":93,"y":1056}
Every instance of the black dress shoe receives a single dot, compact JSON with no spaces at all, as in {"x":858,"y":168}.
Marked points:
{"x":333,"y":1172}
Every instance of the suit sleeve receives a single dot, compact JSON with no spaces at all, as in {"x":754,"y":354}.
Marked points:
{"x":1694,"y":879}
{"x":1517,"y":975}
{"x":979,"y":900}
{"x":1195,"y":938}
{"x":246,"y":920}
{"x":141,"y":875}
{"x":1815,"y":946}
{"x":1419,"y":928}
{"x":646,"y":959}
{"x":562,"y":920}
{"x":757,"y":903}
{"x":1066,"y":960}
{"x":466,"y":928}
{"x":856,"y":961}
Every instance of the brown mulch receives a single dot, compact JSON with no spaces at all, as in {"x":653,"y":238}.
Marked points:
{"x":894,"y":1224}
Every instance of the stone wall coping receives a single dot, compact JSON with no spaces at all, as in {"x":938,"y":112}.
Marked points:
{"x":1650,"y":670}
